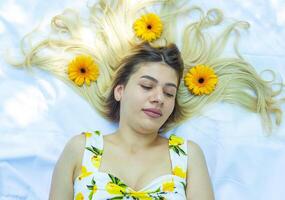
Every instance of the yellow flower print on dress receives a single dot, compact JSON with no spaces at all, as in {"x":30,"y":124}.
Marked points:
{"x":79,"y":196}
{"x":97,"y":133}
{"x":96,"y":158}
{"x":174,"y":144}
{"x":96,"y":161}
{"x":168,"y":186}
{"x":121,"y":190}
{"x":178,"y":171}
{"x":84,"y":173}
{"x":140,"y":195}
{"x":175,"y":140}
{"x":113,"y":188}
{"x":93,"y":188}
{"x":88,"y":134}
{"x":145,"y":195}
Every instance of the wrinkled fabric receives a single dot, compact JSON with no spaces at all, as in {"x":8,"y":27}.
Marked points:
{"x":39,"y":114}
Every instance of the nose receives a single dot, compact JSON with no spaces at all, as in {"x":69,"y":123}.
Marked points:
{"x":158,"y":96}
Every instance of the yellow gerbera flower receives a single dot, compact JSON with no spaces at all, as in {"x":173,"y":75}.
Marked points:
{"x":201,"y":79}
{"x":178,"y":171}
{"x":168,"y":186}
{"x":84,"y":173}
{"x":175,"y":140}
{"x":148,"y":27}
{"x":83,"y":69}
{"x":79,"y":196}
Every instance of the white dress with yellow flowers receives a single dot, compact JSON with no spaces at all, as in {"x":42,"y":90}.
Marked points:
{"x":92,"y":184}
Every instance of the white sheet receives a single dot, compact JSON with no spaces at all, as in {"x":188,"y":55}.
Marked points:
{"x":38,"y":115}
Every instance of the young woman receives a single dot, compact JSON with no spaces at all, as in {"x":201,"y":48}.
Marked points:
{"x":128,"y":73}
{"x":146,"y":165}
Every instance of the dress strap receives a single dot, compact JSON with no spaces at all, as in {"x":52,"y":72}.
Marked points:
{"x":178,"y":155}
{"x":93,"y":149}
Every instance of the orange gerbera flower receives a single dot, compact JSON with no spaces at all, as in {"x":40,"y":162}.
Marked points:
{"x":148,"y":27}
{"x":82,"y":69}
{"x":201,"y":79}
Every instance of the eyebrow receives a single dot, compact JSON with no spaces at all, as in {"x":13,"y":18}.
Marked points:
{"x":153,"y":79}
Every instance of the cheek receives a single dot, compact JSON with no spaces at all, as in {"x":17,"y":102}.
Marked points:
{"x":133,"y":100}
{"x":171,"y":106}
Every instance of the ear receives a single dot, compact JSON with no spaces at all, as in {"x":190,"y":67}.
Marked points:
{"x":118,"y":92}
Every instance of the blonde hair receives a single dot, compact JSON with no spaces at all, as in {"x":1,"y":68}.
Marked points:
{"x":113,"y":39}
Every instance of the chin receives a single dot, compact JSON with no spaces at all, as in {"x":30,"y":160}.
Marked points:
{"x":150,"y":128}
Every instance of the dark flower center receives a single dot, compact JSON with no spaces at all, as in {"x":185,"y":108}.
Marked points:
{"x":201,"y":80}
{"x":149,"y":26}
{"x":82,"y":70}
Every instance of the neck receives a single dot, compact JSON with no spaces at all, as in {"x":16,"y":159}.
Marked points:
{"x":135,"y":141}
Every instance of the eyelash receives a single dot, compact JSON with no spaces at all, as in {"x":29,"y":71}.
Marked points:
{"x":148,"y":88}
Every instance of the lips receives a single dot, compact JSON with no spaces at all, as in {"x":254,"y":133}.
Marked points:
{"x":153,"y":112}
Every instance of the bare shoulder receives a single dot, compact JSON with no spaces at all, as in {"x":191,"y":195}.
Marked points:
{"x":75,"y":147}
{"x":76,"y":143}
{"x":66,"y":166}
{"x":199,"y":185}
{"x":196,"y":156}
{"x":73,"y":151}
{"x":194,"y":149}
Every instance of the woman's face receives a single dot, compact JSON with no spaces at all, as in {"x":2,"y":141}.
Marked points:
{"x":150,"y":90}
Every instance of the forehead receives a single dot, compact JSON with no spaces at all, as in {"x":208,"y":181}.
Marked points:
{"x":160,"y":71}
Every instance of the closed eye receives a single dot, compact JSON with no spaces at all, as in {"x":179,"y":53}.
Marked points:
{"x":149,"y":88}
{"x":146,"y":87}
{"x":170,"y":95}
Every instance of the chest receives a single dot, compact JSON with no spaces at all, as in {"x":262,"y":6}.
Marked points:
{"x":136,"y":170}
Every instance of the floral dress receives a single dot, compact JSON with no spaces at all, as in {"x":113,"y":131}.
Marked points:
{"x":92,"y":184}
